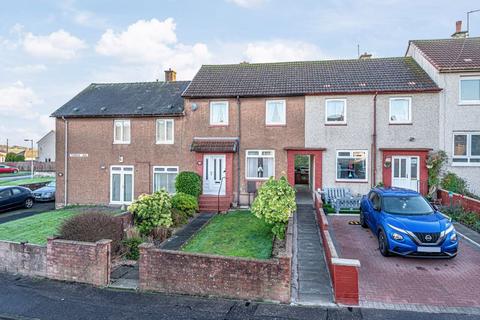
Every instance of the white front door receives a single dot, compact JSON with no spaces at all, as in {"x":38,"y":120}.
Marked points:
{"x":405,"y":172}
{"x":214,"y":174}
{"x":121,"y":184}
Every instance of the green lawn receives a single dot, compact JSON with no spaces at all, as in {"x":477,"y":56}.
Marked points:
{"x":26,"y":181}
{"x":237,"y":233}
{"x":36,"y":229}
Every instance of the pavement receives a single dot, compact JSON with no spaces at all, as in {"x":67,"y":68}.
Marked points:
{"x":38,"y":207}
{"x":27,"y":299}
{"x":411,"y":282}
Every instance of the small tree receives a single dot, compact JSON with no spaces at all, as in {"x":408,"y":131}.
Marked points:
{"x":151,"y":211}
{"x":275,"y":204}
{"x":13,"y":157}
{"x":435,"y":163}
{"x":189,"y":182}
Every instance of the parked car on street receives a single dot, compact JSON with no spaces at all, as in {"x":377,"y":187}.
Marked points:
{"x":7,"y":169}
{"x":406,"y":224}
{"x":46,"y":193}
{"x":12,"y":197}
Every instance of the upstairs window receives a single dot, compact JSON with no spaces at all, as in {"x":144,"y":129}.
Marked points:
{"x":219,"y":113}
{"x":165,"y":131}
{"x":275,"y":112}
{"x":336,"y":111}
{"x":400,"y":110}
{"x":352,"y":165}
{"x":260,"y":164}
{"x":121,"y":133}
{"x":466,"y":148}
{"x":470,"y":90}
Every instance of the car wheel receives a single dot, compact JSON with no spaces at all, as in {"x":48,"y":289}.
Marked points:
{"x":363,"y":223}
{"x":15,"y":171}
{"x":29,"y":203}
{"x":383,"y":244}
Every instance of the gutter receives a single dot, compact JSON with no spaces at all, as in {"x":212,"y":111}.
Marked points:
{"x":65,"y":174}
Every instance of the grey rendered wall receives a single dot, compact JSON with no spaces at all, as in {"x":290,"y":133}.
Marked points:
{"x":357,"y":134}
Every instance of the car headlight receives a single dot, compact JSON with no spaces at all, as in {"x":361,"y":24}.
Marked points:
{"x":396,"y":236}
{"x":453,"y":237}
{"x":47,"y":195}
{"x":397,"y":229}
{"x":449,"y":229}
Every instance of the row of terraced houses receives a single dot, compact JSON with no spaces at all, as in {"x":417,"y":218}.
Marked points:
{"x":352,"y":123}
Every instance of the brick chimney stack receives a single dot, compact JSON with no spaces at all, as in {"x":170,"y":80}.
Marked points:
{"x":170,"y":75}
{"x":458,"y":31}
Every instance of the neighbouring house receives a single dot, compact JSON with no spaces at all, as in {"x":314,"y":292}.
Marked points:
{"x":28,"y":154}
{"x":46,"y":147}
{"x":454,"y":64}
{"x":3,"y":154}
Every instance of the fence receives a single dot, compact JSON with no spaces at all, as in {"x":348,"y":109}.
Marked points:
{"x":37,"y":166}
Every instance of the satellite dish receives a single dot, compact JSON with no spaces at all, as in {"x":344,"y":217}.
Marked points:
{"x":194,"y":106}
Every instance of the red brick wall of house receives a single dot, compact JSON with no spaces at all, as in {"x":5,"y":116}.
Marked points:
{"x":317,"y":170}
{"x":467,"y":203}
{"x":79,"y":261}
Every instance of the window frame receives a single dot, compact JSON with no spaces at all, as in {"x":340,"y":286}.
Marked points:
{"x":166,"y":168}
{"x":409,"y":121}
{"x":466,"y":102}
{"x":468,"y":156}
{"x":259,"y":156}
{"x":284,"y":103}
{"x":221,"y":124}
{"x":344,"y":100}
{"x":157,"y":141}
{"x":343,"y":157}
{"x":121,"y":171}
{"x":123,"y":121}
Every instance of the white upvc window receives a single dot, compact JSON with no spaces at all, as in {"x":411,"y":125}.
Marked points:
{"x":400,"y":110}
{"x":275,"y":112}
{"x":260,"y":164}
{"x":352,"y":165}
{"x":466,"y":149}
{"x":164,"y":178}
{"x":165,"y":131}
{"x":219,"y":113}
{"x":121,"y":184}
{"x":469,"y":90}
{"x":121,"y":131}
{"x":336,"y":111}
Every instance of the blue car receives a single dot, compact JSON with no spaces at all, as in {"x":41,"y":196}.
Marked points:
{"x":406,"y":224}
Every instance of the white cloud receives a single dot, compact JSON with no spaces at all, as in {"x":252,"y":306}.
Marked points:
{"x":18,"y":99}
{"x":57,"y":45}
{"x":281,"y":50}
{"x":28,"y":68}
{"x":153,"y":43}
{"x":248,"y":3}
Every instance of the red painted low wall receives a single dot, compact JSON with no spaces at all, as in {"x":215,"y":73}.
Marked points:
{"x":469,"y":204}
{"x":343,"y":272}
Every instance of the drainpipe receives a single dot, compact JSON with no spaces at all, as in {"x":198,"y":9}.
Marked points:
{"x":65,"y":174}
{"x":374,"y":141}
{"x":238,"y":154}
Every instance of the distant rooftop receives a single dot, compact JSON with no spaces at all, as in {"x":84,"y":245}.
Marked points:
{"x":401,"y":74}
{"x":126,"y":99}
{"x":450,"y":55}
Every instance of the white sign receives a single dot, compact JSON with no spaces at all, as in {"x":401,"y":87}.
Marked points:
{"x":78,"y":155}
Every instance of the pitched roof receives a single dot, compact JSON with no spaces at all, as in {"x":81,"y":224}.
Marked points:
{"x":126,"y":99}
{"x":449,"y":55}
{"x":214,"y":145}
{"x":310,"y":77}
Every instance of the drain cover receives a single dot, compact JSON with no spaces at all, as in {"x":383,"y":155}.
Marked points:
{"x":354,"y":222}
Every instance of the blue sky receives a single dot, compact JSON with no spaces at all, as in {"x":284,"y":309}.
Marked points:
{"x":50,"y":50}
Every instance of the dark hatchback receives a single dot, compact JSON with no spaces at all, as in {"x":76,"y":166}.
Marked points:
{"x":13,"y":197}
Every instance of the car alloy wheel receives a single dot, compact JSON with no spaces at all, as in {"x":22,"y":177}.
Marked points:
{"x":363,"y":223}
{"x":383,"y":244}
{"x":15,"y":171}
{"x":28,"y":203}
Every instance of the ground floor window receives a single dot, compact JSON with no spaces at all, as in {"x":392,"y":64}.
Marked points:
{"x":121,"y":184}
{"x":466,"y":148}
{"x":352,"y":165}
{"x":164,"y":178}
{"x":260,"y":164}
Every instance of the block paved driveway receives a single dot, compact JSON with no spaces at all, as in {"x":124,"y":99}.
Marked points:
{"x":398,"y":280}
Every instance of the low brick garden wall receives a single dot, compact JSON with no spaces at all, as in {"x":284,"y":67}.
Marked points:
{"x":210,"y":275}
{"x":343,"y":272}
{"x":468,"y":204}
{"x":23,"y":258}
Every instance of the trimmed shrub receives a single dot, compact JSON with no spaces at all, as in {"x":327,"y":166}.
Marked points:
{"x":189,"y":182}
{"x":185,"y":202}
{"x":131,"y":245}
{"x":454,"y":183}
{"x":151,"y":211}
{"x":92,"y":226}
{"x":179,"y":218}
{"x":275,"y":204}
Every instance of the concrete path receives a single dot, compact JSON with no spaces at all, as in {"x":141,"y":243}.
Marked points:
{"x":179,"y":238}
{"x":125,"y":277}
{"x":313,"y":281}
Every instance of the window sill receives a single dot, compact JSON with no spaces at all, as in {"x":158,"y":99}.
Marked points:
{"x":258,"y":179}
{"x":460,"y":164}
{"x":217,"y":125}
{"x":471,"y":103}
{"x":400,"y":123}
{"x":158,"y":142}
{"x":275,"y":125}
{"x":351,"y":181}
{"x":329,"y":124}
{"x":120,"y":142}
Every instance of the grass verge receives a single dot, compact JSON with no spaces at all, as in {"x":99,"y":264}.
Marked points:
{"x":25,"y":181}
{"x":238,"y":234}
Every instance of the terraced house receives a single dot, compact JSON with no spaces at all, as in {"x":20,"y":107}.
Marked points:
{"x":321,"y":123}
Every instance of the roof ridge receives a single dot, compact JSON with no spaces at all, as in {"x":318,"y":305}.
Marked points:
{"x":139,"y":82}
{"x":443,"y":39}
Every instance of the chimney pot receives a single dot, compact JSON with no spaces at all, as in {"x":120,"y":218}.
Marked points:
{"x":458,"y":26}
{"x":458,"y":31}
{"x":170,"y":75}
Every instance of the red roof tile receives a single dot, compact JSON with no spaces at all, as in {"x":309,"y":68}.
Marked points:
{"x":214,"y":145}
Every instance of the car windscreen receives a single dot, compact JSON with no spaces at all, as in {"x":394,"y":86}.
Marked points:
{"x":408,"y":205}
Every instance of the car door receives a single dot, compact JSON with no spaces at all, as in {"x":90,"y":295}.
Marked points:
{"x":5,"y":198}
{"x":375,"y":213}
{"x":3,"y":168}
{"x":18,"y":196}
